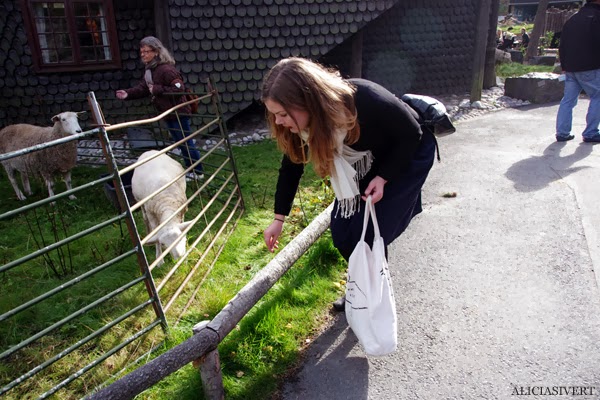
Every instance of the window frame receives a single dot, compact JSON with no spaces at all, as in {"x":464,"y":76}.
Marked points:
{"x":27,"y":7}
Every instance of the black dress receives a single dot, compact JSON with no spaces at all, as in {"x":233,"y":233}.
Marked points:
{"x":402,"y":155}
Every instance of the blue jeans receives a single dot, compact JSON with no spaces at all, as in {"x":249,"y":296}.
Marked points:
{"x":189,"y":151}
{"x":589,"y":82}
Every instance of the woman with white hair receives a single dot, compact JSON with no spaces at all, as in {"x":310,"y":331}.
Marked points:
{"x":162,"y":77}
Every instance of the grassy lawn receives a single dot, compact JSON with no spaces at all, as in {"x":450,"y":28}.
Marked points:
{"x":516,"y":69}
{"x":269,"y":339}
{"x":264,"y":346}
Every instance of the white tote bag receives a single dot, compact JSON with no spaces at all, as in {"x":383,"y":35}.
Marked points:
{"x":370,"y":304}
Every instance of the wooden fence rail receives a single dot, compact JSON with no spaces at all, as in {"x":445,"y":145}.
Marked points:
{"x":207,"y":339}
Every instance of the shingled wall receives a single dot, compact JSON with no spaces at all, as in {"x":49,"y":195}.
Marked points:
{"x":34,"y":98}
{"x":237,"y":41}
{"x":418,"y":46}
{"x":422,"y":46}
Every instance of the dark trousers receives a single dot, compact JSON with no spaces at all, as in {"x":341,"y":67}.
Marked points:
{"x":400,"y":203}
{"x":189,"y":151}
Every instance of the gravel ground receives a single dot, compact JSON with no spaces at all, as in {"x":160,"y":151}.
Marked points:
{"x":253,"y":128}
{"x":250,"y":127}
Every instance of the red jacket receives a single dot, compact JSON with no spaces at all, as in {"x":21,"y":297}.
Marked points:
{"x":166,"y":79}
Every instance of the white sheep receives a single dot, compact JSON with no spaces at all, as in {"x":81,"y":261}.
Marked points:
{"x":148,"y":178}
{"x":56,"y":160}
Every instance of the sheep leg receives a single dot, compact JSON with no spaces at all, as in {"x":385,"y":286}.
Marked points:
{"x":50,"y":186}
{"x":67,"y":180}
{"x":148,"y":230}
{"x":158,"y":253}
{"x":26,"y":185}
{"x":13,"y":181}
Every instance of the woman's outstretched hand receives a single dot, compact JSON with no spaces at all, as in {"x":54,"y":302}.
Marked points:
{"x":121,"y":94}
{"x":271,"y":235}
{"x":375,"y":189}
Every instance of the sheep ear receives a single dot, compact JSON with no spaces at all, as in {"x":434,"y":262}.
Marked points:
{"x":55,"y":118}
{"x":81,"y":112}
{"x":184,"y":225}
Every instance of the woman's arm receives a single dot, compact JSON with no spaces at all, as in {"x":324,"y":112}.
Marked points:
{"x":137,"y":92}
{"x":170,"y":81}
{"x":389,"y":128}
{"x":375,"y":189}
{"x":273,"y":232}
{"x":287,"y":185}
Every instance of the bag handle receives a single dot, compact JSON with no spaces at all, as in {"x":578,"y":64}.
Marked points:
{"x":370,"y":211}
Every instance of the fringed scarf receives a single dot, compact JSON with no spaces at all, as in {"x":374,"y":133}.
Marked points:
{"x":148,"y":74}
{"x":349,"y":166}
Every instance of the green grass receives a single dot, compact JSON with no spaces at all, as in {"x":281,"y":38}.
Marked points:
{"x":266,"y":343}
{"x":516,"y":69}
{"x":516,"y":29}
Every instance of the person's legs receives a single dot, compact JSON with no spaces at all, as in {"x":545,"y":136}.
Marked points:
{"x":564,"y":117}
{"x":590,"y":82}
{"x":188,"y":150}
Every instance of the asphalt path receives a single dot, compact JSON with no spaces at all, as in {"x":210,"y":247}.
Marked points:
{"x":496,"y":288}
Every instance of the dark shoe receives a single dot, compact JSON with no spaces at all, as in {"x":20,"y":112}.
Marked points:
{"x":565,"y":138}
{"x":340,"y":304}
{"x":593,"y":139}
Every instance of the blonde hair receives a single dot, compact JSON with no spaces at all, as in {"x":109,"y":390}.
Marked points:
{"x":163,"y":55}
{"x":300,"y":84}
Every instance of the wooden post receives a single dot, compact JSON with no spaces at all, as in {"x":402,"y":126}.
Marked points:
{"x":489,"y":74}
{"x":162,"y":23}
{"x":357,"y":53}
{"x":480,"y":49}
{"x":538,"y":28}
{"x":210,"y":370}
{"x":206,"y":340}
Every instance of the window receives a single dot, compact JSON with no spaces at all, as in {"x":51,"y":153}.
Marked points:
{"x":72,"y":35}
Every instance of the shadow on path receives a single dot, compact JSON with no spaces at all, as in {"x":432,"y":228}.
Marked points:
{"x":329,"y":370}
{"x":537,"y":172}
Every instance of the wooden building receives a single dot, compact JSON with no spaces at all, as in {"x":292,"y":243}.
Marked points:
{"x":53,"y":53}
{"x":524,"y":10}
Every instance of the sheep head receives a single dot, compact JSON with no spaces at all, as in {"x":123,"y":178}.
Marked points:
{"x":172,"y":234}
{"x":68,"y":122}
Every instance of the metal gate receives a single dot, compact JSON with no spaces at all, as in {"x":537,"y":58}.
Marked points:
{"x":77,"y":289}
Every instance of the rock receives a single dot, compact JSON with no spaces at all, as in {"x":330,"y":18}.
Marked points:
{"x":543,"y":60}
{"x":535,"y":87}
{"x":256,"y":137}
{"x":264,"y":132}
{"x":557,"y":68}
{"x":502,"y":57}
{"x":478,"y":105}
{"x":516,"y":56}
{"x":465,"y":104}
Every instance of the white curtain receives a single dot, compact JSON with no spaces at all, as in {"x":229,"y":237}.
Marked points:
{"x":103,"y":28}
{"x":40,"y":25}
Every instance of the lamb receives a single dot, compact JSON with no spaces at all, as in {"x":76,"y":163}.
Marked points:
{"x":148,"y":178}
{"x":56,"y":160}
